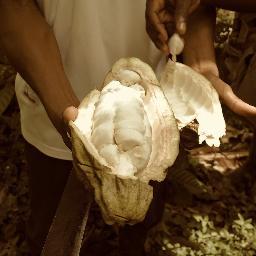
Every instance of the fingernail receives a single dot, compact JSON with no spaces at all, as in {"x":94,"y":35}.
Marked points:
{"x":181,"y":26}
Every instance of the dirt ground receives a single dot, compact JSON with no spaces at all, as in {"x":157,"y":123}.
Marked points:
{"x":213,"y":211}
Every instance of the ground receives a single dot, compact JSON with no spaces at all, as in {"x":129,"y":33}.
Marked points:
{"x":211,"y":207}
{"x":13,"y":177}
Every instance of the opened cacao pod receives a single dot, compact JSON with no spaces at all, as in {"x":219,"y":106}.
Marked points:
{"x":125,"y":135}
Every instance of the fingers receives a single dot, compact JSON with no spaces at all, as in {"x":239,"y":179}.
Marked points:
{"x":156,"y":18}
{"x":182,"y":10}
{"x":231,"y":100}
{"x":160,"y":14}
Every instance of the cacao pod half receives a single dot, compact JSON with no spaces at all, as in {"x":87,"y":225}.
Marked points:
{"x":191,"y":96}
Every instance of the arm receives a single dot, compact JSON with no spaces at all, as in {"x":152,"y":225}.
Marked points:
{"x":199,"y":48}
{"x":31,"y":47}
{"x":199,"y":54}
{"x":160,"y":13}
{"x":233,"y":5}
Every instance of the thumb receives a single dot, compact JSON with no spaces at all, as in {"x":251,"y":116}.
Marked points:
{"x":70,"y":114}
{"x":182,"y":9}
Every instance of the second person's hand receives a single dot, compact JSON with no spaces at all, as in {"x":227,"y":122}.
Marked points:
{"x":164,"y":17}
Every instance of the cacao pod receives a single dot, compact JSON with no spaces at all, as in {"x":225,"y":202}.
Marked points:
{"x":124,"y":136}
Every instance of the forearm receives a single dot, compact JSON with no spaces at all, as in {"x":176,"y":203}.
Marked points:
{"x":234,"y":5}
{"x":199,"y":50}
{"x":31,"y":47}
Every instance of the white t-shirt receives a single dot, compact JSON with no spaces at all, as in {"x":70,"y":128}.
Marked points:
{"x":92,"y":35}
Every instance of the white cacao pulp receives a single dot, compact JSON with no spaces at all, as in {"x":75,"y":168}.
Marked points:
{"x":120,"y":129}
{"x":129,"y":124}
{"x":176,"y":45}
